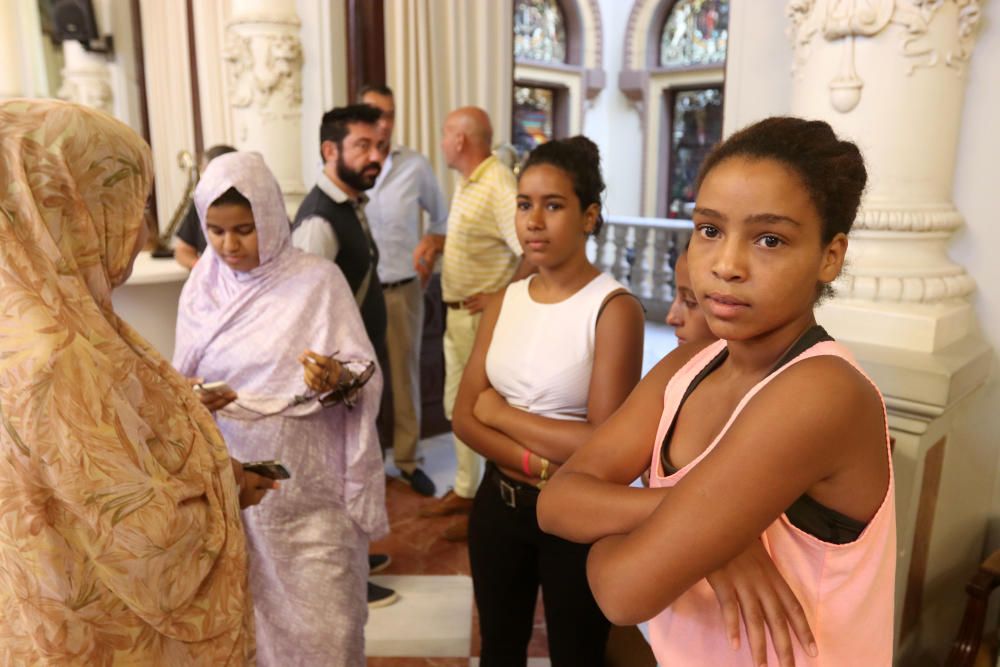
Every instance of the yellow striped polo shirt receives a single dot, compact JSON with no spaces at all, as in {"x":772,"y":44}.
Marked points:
{"x":481,"y":251}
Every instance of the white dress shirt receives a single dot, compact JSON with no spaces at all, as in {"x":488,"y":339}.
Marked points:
{"x":405,"y":186}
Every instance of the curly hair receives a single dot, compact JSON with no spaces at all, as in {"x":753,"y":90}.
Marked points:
{"x":832,"y":169}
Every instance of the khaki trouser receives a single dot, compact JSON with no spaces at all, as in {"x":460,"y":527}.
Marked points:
{"x":458,"y":339}
{"x":404,"y":307}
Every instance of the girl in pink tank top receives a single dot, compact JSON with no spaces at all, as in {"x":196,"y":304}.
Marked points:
{"x":768,"y":533}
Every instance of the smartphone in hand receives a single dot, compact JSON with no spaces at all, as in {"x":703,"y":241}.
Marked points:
{"x":269,"y":469}
{"x":212,"y":387}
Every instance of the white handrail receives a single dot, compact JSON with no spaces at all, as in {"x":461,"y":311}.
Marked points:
{"x":660,"y":223}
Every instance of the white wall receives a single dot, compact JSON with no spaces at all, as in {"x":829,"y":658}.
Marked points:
{"x":758,"y":64}
{"x":977,"y":245}
{"x":613,"y":123}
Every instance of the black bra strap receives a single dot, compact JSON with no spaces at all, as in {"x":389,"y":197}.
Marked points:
{"x":815,"y":334}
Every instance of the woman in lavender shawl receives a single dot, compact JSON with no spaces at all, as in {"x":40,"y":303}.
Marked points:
{"x":268,"y":320}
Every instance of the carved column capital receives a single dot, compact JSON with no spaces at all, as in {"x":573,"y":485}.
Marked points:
{"x":262,"y":58}
{"x":844,"y":21}
{"x":263,"y":66}
{"x":900,"y":288}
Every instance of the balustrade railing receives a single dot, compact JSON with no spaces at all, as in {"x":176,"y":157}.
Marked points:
{"x":641,"y":253}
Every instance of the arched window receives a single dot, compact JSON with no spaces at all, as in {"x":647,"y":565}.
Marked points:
{"x":675,"y":62}
{"x":697,"y":127}
{"x":539,"y":31}
{"x":695,"y":33}
{"x":556,"y":66}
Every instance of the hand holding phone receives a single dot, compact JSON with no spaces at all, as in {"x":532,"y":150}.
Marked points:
{"x":214,"y":395}
{"x":269,"y":469}
{"x":213,"y":387}
{"x":252,"y":486}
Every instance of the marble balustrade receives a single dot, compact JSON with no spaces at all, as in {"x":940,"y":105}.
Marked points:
{"x":640,"y":253}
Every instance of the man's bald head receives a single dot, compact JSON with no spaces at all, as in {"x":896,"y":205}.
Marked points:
{"x":474,"y":123}
{"x":467,"y":138}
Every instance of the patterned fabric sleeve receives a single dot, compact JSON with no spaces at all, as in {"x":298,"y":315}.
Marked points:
{"x":120,"y":534}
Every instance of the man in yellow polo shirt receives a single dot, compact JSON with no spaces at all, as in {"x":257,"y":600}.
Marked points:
{"x":481,"y":256}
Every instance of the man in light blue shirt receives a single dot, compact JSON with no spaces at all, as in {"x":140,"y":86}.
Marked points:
{"x":405,"y":187}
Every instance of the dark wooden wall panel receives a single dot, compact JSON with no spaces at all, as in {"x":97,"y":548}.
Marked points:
{"x":365,"y":44}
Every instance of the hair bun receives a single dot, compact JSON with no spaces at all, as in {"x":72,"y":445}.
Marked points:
{"x":584,"y":144}
{"x":580,"y":159}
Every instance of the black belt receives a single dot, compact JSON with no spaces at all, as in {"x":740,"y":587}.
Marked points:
{"x":514,"y":493}
{"x":399,"y":283}
{"x":455,"y":305}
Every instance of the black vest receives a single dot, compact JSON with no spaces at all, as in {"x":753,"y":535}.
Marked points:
{"x":356,"y":252}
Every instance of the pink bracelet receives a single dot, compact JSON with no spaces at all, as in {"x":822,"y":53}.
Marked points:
{"x":526,"y":462}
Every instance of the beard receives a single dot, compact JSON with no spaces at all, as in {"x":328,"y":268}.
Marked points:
{"x":360,"y":180}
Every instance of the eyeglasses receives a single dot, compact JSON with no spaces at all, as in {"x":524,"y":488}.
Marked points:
{"x":347,"y":392}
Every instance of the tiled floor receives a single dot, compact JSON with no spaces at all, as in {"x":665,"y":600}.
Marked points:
{"x":434,"y":623}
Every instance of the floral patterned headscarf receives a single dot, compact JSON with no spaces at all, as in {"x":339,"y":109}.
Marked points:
{"x":120,"y":535}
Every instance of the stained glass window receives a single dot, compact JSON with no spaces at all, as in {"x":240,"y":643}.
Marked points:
{"x":534,"y":117}
{"x":695,"y":33}
{"x":697,"y":127}
{"x":539,"y":31}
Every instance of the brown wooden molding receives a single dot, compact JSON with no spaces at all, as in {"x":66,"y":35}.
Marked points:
{"x":365,"y":45}
{"x":913,"y":599}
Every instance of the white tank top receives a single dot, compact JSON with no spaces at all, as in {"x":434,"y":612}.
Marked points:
{"x":542,"y":354}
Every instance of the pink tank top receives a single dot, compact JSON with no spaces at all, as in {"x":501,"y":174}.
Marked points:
{"x":847,"y":590}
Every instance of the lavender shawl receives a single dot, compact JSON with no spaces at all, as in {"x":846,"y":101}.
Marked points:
{"x":248,"y":328}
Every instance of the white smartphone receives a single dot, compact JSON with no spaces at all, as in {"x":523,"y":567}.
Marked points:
{"x":213,"y":387}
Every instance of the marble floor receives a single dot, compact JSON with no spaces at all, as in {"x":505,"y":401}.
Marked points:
{"x":434,"y":623}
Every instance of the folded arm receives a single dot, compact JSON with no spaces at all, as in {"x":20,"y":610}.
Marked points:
{"x":726,"y":502}
{"x":617,"y":366}
{"x":590,"y":497}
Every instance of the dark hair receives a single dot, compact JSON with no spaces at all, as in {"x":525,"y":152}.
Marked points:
{"x":217,"y":150}
{"x":579,"y":158}
{"x":377,"y":88}
{"x":232,"y":196}
{"x":336,"y":122}
{"x":831,"y":169}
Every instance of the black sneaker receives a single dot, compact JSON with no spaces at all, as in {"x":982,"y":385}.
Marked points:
{"x":378,"y":562}
{"x":380,"y":596}
{"x":419,"y":482}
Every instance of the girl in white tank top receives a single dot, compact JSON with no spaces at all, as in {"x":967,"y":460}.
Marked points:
{"x":553,"y":358}
{"x":772,"y":482}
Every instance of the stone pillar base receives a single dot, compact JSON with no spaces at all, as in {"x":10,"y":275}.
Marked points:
{"x":915,"y":327}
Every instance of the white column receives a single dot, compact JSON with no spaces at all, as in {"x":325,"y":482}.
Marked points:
{"x":86,"y":78}
{"x":263,"y":56}
{"x":891,"y":76}
{"x":12,"y":82}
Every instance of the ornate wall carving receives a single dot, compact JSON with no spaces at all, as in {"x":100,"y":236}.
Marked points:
{"x":847,"y":20}
{"x":262,"y":59}
{"x":262,"y":67}
{"x":914,"y":54}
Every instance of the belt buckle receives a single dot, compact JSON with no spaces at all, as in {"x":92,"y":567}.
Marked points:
{"x":509,"y":494}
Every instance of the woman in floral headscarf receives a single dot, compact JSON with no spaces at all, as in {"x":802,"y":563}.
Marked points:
{"x":120,"y":533}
